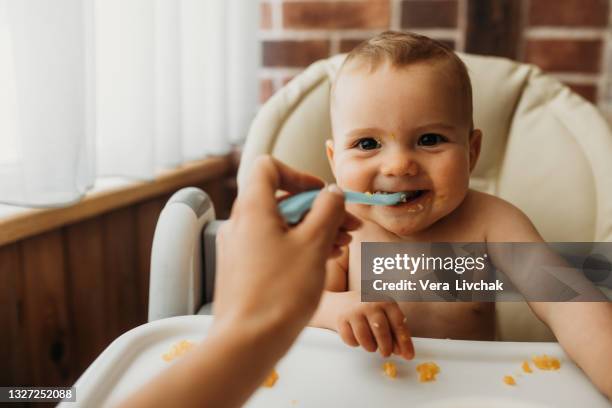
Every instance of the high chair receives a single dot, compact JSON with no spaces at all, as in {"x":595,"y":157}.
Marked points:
{"x":545,"y":150}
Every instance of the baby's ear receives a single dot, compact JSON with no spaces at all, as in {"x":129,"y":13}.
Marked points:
{"x":475,"y":143}
{"x":329,"y":150}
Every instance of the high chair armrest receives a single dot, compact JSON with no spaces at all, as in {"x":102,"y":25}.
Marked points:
{"x":175,"y":286}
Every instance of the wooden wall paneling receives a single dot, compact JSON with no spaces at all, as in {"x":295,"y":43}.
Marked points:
{"x":221,"y":197}
{"x":213,"y":189}
{"x":147,"y":215}
{"x":121,"y":268}
{"x":494,"y":28}
{"x":87,"y":289}
{"x":48,"y":331}
{"x":13,"y":351}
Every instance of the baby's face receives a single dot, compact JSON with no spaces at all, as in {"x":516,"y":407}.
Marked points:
{"x":403,"y":129}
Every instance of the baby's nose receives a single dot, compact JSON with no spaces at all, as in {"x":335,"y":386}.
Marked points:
{"x":399,"y":165}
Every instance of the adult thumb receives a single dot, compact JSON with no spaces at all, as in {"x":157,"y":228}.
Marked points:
{"x":325,"y":216}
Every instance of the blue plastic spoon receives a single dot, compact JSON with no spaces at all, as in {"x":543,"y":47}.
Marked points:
{"x":294,"y":207}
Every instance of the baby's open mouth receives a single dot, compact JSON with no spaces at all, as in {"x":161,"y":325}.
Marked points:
{"x":407,"y":196}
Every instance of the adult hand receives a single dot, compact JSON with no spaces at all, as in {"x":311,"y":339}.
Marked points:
{"x":269,"y":281}
{"x":268,"y":272}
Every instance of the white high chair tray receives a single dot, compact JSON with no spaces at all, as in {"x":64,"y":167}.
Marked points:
{"x":320,"y":371}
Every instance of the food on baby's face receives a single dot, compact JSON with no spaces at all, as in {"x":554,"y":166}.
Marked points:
{"x":509,"y":380}
{"x":427,"y":371}
{"x":545,"y":362}
{"x":271,"y":380}
{"x":390,"y":369}
{"x":526,"y":367}
{"x":177,"y":350}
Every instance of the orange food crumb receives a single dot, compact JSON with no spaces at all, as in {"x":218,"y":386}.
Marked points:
{"x":427,"y":371}
{"x":508,"y":379}
{"x":390,"y":369}
{"x":368,"y":193}
{"x":526,"y":367}
{"x":545,"y":362}
{"x":271,"y":380}
{"x":177,"y":350}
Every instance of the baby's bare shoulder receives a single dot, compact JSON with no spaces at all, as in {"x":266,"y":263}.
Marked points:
{"x":503,"y":220}
{"x":490,"y":205}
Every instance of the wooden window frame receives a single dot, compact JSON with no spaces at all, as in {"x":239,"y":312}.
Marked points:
{"x":35,"y":221}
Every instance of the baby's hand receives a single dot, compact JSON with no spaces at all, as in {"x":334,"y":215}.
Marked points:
{"x":376,"y":325}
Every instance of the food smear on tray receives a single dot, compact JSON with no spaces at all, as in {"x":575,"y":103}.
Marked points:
{"x":427,"y":371}
{"x":526,"y":368}
{"x":509,"y":380}
{"x":177,"y":350}
{"x":390,"y":369}
{"x":545,"y":362}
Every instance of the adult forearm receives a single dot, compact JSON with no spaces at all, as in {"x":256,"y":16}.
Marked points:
{"x":222,"y":371}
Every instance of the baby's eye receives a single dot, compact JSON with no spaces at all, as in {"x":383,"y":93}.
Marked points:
{"x":431,"y":139}
{"x":367,"y":143}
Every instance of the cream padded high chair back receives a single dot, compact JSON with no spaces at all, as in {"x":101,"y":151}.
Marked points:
{"x":545,"y":149}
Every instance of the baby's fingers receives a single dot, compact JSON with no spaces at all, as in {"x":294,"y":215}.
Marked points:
{"x":362,"y":332}
{"x":382,"y":332}
{"x":400,"y":331}
{"x":346,"y":333}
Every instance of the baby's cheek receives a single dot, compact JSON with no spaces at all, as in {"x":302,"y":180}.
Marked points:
{"x":352,"y":177}
{"x":451,"y":182}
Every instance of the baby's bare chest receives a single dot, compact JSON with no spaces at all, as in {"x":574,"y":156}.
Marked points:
{"x":456,"y":320}
{"x":354,"y":262}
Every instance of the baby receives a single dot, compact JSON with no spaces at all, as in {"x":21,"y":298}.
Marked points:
{"x":401,"y":110}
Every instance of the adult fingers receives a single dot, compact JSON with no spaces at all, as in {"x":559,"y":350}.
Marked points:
{"x":342,"y":239}
{"x":294,"y":181}
{"x":257,"y":198}
{"x":335,"y":252}
{"x":323,"y":221}
{"x":351,"y":222}
{"x":269,"y":174}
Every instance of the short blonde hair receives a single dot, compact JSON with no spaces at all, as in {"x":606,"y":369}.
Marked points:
{"x":404,"y":48}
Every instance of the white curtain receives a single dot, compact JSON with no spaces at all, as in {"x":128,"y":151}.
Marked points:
{"x":91,"y":88}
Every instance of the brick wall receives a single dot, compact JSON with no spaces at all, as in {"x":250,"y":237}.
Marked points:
{"x":570,"y":39}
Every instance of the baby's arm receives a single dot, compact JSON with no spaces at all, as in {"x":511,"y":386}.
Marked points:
{"x":583,"y":329}
{"x":336,"y":275}
{"x":335,"y":296}
{"x":372,"y":325}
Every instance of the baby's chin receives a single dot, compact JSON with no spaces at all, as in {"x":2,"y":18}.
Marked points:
{"x":403,"y":225}
{"x":404,"y":228}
